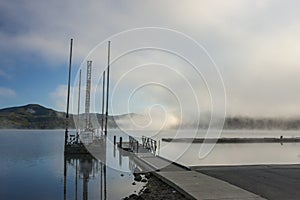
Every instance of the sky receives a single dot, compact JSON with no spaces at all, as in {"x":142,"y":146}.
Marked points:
{"x":247,"y":55}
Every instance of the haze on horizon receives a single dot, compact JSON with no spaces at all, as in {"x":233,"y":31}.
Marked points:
{"x":255,"y":45}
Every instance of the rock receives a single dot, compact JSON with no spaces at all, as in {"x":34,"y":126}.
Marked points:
{"x":144,"y":180}
{"x":147,"y":175}
{"x":137,"y":177}
{"x":133,"y":183}
{"x":133,"y":196}
{"x":147,"y":190}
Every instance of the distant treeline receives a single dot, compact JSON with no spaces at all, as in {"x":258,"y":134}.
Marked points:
{"x":261,"y":123}
{"x":34,"y":116}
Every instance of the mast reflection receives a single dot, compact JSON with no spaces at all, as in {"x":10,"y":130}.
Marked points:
{"x":84,"y":167}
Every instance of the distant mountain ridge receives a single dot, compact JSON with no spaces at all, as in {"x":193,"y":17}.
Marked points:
{"x":31,"y":116}
{"x":34,"y":116}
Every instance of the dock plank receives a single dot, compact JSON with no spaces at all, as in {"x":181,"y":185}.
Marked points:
{"x":192,"y":184}
{"x":195,"y":185}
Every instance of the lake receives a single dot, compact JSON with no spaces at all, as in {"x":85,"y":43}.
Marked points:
{"x":33,"y":162}
{"x":32,"y":167}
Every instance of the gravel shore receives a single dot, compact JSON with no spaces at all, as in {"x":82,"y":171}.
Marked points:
{"x":156,"y":189}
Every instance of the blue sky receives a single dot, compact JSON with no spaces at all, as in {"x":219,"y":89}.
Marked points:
{"x":31,"y":80}
{"x":255,"y":45}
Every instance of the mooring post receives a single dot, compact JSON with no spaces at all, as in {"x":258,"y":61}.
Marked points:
{"x":120,"y":143}
{"x":158,"y":147}
{"x":114,"y":151}
{"x":120,"y":157}
{"x":115,"y":138}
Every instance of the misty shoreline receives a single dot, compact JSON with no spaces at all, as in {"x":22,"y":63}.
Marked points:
{"x":34,"y":116}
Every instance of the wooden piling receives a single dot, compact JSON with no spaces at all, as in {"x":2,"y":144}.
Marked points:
{"x":120,"y":143}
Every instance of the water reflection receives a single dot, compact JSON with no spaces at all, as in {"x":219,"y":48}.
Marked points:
{"x":104,"y":173}
{"x":84,"y":168}
{"x":33,"y":166}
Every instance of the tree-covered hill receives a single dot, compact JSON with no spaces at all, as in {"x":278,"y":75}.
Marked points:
{"x":34,"y":116}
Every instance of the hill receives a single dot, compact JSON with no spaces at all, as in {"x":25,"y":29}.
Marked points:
{"x":31,"y":116}
{"x":34,"y":116}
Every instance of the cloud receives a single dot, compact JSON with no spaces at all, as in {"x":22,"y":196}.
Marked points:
{"x":59,"y":97}
{"x":254,"y":43}
{"x":7,"y":92}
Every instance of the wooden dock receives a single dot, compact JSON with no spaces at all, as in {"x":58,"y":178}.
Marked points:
{"x":192,"y":184}
{"x":75,"y":149}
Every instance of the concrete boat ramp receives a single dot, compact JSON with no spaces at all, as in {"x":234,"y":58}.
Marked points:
{"x":195,"y":185}
{"x":192,"y":184}
{"x":274,"y":182}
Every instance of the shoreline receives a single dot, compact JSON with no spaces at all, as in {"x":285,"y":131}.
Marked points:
{"x":156,"y":189}
{"x":268,"y":177}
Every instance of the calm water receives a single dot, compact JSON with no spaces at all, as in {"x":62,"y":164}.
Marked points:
{"x":229,"y":154}
{"x":32,"y":162}
{"x":32,"y":167}
{"x":236,"y":154}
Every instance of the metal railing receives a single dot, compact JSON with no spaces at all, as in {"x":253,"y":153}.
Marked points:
{"x":149,"y":144}
{"x":133,"y":144}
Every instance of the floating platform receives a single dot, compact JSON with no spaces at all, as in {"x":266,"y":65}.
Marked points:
{"x":75,"y":149}
{"x":233,"y":140}
{"x":125,"y":146}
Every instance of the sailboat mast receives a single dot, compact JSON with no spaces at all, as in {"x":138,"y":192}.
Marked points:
{"x":107,"y":87}
{"x":78,"y":109}
{"x":103,"y":101}
{"x":68,"y":95}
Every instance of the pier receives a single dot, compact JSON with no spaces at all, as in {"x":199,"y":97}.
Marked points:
{"x":192,"y":184}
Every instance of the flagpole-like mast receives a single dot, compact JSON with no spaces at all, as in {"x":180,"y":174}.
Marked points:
{"x":107,"y":87}
{"x":78,"y":109}
{"x":68,"y":95}
{"x":103,"y":101}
